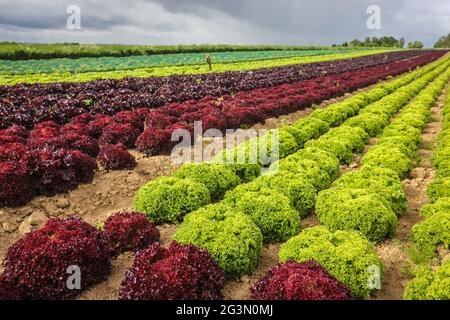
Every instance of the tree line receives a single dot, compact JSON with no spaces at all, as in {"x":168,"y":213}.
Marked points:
{"x":443,"y":42}
{"x":381,"y":42}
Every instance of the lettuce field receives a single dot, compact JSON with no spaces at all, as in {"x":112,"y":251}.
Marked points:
{"x":350,"y":200}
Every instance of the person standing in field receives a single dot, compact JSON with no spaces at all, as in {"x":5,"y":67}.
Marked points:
{"x":208,"y":60}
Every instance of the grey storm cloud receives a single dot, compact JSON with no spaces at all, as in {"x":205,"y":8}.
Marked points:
{"x":318,"y":22}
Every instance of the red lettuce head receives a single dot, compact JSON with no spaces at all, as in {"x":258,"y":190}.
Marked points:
{"x":154,"y":141}
{"x":180,"y":272}
{"x":5,"y":139}
{"x":16,"y":185}
{"x":47,"y":130}
{"x":83,"y":143}
{"x":7,"y":289}
{"x":130,"y":231}
{"x":57,"y":171}
{"x":83,"y":118}
{"x":38,"y":263}
{"x":69,"y":141}
{"x":12,"y":152}
{"x":129,"y":117}
{"x":74,"y":127}
{"x":159,"y":119}
{"x":95,"y":127}
{"x":16,"y":131}
{"x":299,"y":281}
{"x":119,"y":133}
{"x":83,"y":165}
{"x":116,"y":157}
{"x":142,"y":113}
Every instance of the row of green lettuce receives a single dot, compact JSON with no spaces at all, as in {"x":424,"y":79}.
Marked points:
{"x":361,"y":206}
{"x":434,"y":230}
{"x":268,"y":208}
{"x":173,"y":70}
{"x":210,"y":182}
{"x":369,"y":200}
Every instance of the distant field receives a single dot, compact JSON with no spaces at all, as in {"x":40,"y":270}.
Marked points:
{"x":172,"y":70}
{"x":25,"y":51}
{"x":62,"y":65}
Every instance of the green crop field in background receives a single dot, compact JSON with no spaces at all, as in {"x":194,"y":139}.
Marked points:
{"x":80,"y":65}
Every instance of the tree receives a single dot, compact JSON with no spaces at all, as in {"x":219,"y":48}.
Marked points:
{"x":401,"y":42}
{"x":376,"y":41}
{"x":443,"y":42}
{"x":356,"y":43}
{"x":415,"y":45}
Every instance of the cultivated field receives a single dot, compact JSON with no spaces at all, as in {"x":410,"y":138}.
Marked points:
{"x":346,"y":197}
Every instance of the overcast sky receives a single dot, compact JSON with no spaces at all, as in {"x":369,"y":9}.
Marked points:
{"x":312,"y":22}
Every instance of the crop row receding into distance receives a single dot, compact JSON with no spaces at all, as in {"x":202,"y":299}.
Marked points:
{"x":29,"y":104}
{"x":51,"y":159}
{"x":434,"y":230}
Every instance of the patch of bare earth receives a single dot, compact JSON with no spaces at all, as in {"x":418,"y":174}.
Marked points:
{"x":114,"y":191}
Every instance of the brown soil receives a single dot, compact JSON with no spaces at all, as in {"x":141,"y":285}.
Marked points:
{"x":113,"y":191}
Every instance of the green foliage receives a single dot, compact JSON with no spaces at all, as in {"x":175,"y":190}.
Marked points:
{"x":371,"y":123}
{"x":440,"y":155}
{"x":168,"y":199}
{"x":443,"y":42}
{"x":388,"y":157}
{"x":434,"y":230}
{"x":263,"y":150}
{"x":404,"y":144}
{"x":308,"y":170}
{"x":333,"y":115}
{"x":325,"y":160}
{"x":335,"y":146}
{"x":356,"y":209}
{"x":381,"y":108}
{"x":415,"y":45}
{"x":377,"y":93}
{"x":299,"y":135}
{"x":413,"y":119}
{"x":244,"y":170}
{"x":301,"y":192}
{"x":404,"y":130}
{"x":312,"y":127}
{"x":387,"y":187}
{"x":381,"y":42}
{"x":232,"y":238}
{"x":443,"y":169}
{"x":429,"y":285}
{"x":354,"y":137}
{"x":270,"y":210}
{"x":441,"y":205}
{"x":19,"y":51}
{"x":439,"y":188}
{"x":286,"y":144}
{"x":217,"y":178}
{"x":347,"y":255}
